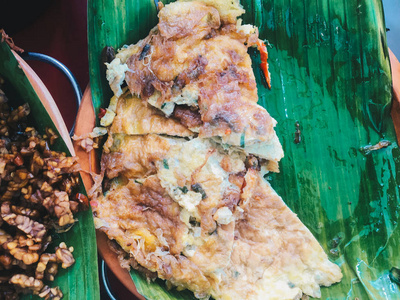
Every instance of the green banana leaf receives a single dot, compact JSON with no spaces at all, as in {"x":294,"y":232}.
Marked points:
{"x":81,"y":281}
{"x":331,"y":83}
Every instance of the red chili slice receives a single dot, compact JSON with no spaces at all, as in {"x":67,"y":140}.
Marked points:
{"x":102,"y":113}
{"x":264,"y":64}
{"x":82,"y":199}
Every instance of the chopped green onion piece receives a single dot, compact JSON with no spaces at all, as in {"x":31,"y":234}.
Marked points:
{"x":183,"y":189}
{"x":242,"y":139}
{"x":198,"y":189}
{"x":165,"y":163}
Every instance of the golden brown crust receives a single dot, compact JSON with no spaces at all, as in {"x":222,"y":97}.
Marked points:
{"x":187,"y":116}
{"x":142,"y":218}
{"x":133,"y":156}
{"x":135,"y":117}
{"x":272,"y":249}
{"x":191,"y":52}
{"x":187,"y":20}
{"x":142,"y":208}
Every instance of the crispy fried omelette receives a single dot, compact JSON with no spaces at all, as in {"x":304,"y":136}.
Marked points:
{"x":194,"y":67}
{"x":183,"y":189}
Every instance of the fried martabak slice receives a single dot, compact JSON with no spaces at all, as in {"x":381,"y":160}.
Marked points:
{"x":274,"y":255}
{"x":194,"y":67}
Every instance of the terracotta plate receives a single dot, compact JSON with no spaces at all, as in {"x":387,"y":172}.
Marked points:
{"x":85,"y":123}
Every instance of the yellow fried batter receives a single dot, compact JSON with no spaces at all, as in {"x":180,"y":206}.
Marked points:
{"x":194,"y":67}
{"x":183,"y":165}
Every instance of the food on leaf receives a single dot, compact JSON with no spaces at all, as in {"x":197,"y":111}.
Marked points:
{"x":182,"y":189}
